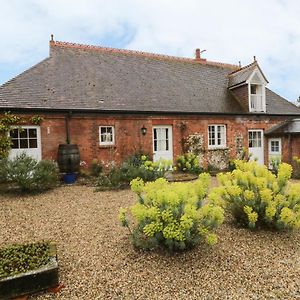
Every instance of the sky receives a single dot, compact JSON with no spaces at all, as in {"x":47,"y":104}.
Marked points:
{"x":230,"y":31}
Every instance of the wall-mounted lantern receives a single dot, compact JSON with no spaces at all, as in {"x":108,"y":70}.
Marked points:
{"x":143,"y":130}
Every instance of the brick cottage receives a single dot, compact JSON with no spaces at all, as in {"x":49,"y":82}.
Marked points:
{"x":114,"y":103}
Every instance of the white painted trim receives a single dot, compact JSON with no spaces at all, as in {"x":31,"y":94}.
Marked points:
{"x":270,"y":154}
{"x":212,"y":147}
{"x":39,"y":140}
{"x":170,"y":127}
{"x":262,"y":142}
{"x":112,"y":143}
{"x":262,"y":83}
{"x":257,"y":71}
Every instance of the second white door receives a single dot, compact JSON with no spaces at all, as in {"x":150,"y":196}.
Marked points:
{"x":256,"y":145}
{"x":162,"y":143}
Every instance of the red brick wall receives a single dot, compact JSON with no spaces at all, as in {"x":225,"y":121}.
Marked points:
{"x":84,"y":131}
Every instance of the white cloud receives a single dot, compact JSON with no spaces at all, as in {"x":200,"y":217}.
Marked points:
{"x":229,"y":30}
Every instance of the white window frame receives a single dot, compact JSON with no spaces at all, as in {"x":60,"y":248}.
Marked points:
{"x":34,"y":152}
{"x":270,"y":153}
{"x":110,"y":143}
{"x":222,"y":146}
{"x":262,"y":83}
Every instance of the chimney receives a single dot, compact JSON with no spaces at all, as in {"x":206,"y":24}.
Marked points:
{"x":198,"y":55}
{"x":51,"y":44}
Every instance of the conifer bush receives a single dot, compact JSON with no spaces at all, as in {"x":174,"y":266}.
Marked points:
{"x":258,"y":198}
{"x":26,"y":174}
{"x":172,"y":215}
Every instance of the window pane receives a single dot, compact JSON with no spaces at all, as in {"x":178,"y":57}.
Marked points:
{"x":253,"y":89}
{"x":32,"y":143}
{"x":167,"y":145}
{"x":32,"y":133}
{"x":109,"y":130}
{"x":24,"y":133}
{"x":155,"y":145}
{"x":14,"y":133}
{"x":155,"y":133}
{"x":15,"y":144}
{"x":23,"y":143}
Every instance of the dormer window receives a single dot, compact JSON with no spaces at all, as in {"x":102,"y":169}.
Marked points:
{"x":256,"y":98}
{"x":257,"y":91}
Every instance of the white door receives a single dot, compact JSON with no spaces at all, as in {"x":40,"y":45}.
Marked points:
{"x":256,"y":145}
{"x":274,"y":150}
{"x":28,"y":140}
{"x":162,"y":143}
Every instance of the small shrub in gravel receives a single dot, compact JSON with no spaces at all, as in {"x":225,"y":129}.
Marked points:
{"x":27,"y":175}
{"x":17,"y":259}
{"x":135,"y":166}
{"x":258,"y":198}
{"x":188,"y":162}
{"x":172,"y":215}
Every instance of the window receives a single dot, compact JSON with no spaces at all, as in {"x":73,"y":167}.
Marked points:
{"x":107,"y":135}
{"x":161,"y":139}
{"x":24,"y":138}
{"x":275,"y":146}
{"x":255,"y":139}
{"x":216,"y":136}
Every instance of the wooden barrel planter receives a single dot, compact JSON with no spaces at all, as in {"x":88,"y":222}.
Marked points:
{"x":68,"y":158}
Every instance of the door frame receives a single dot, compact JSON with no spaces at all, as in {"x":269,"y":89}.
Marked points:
{"x":269,"y":148}
{"x":262,"y":144}
{"x":170,"y":127}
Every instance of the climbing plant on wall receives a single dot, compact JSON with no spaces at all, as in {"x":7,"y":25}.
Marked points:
{"x":6,"y":122}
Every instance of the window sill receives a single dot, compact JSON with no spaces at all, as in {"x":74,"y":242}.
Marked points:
{"x":217,"y":148}
{"x":107,"y":146}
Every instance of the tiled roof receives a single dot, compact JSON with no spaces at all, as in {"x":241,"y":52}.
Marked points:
{"x":241,"y":75}
{"x":80,"y":77}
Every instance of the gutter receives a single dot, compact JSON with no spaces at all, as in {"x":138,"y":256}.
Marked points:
{"x":136,"y":112}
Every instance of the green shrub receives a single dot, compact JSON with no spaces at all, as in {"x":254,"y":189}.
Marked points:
{"x":26,"y":174}
{"x":188,"y":162}
{"x":172,"y":215}
{"x":275,"y":161}
{"x":17,"y":259}
{"x":132,"y":168}
{"x":258,"y":198}
{"x":95,"y":168}
{"x":296,"y":165}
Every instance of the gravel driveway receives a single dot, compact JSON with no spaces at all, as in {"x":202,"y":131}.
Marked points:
{"x":98,"y":262}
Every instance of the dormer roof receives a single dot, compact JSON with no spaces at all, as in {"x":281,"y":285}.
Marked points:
{"x":242,"y":75}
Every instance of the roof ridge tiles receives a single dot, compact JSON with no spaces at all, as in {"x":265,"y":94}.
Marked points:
{"x":140,"y":53}
{"x":243,"y":68}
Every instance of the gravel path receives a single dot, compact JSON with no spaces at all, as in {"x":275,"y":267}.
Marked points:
{"x":98,"y":262}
